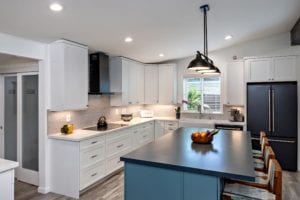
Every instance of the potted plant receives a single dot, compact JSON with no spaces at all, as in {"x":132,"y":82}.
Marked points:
{"x":177,"y":110}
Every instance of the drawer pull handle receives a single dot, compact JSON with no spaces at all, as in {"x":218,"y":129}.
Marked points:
{"x":121,"y":145}
{"x":135,"y":131}
{"x":144,"y":126}
{"x":94,"y":142}
{"x":94,"y":174}
{"x":144,"y":136}
{"x":94,"y":156}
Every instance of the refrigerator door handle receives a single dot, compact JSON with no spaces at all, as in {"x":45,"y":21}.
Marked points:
{"x":273,"y":112}
{"x":282,"y":141}
{"x":270,"y":110}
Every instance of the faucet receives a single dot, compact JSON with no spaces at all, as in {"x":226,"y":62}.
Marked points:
{"x":200,"y":111}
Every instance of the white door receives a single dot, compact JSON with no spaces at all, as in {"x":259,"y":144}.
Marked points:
{"x":20,"y":124}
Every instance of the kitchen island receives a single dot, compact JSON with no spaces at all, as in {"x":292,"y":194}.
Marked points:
{"x":175,"y":168}
{"x":7,"y":179}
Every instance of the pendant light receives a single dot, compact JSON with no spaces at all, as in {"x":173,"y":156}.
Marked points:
{"x":202,"y":63}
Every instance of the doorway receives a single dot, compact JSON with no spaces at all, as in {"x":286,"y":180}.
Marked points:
{"x":20,"y":124}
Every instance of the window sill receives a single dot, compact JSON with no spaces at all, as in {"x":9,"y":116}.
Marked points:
{"x":197,"y":112}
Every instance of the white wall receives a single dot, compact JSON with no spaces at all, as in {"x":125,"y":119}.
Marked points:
{"x":21,"y":47}
{"x":223,"y":56}
{"x":18,"y":64}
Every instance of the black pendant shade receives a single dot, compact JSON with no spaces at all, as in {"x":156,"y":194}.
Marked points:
{"x":202,"y":63}
{"x":199,"y":63}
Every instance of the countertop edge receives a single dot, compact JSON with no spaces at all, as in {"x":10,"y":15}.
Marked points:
{"x":6,"y":165}
{"x":188,"y":169}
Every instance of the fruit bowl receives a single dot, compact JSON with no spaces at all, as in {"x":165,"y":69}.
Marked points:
{"x":203,"y":137}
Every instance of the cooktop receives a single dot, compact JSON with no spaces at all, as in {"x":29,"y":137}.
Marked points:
{"x":109,"y":127}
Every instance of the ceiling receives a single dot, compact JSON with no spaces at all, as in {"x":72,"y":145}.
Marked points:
{"x":171,"y":27}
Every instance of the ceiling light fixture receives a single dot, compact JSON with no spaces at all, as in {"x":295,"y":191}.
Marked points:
{"x":202,"y":63}
{"x":228,"y":37}
{"x":128,"y":39}
{"x":56,"y":7}
{"x":161,"y":55}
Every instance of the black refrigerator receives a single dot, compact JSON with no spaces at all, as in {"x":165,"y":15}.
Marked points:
{"x":273,"y":108}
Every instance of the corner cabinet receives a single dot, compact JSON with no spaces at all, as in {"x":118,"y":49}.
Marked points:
{"x":235,"y":83}
{"x":167,"y":83}
{"x":127,"y":81}
{"x":68,"y":76}
{"x":268,"y":69}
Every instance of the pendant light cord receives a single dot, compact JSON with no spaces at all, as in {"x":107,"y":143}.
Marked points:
{"x":205,"y":31}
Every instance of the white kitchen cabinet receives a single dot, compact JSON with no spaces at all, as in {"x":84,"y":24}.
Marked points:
{"x":159,"y":129}
{"x":68,"y":76}
{"x":151,"y":84}
{"x":284,"y":68}
{"x":7,"y":180}
{"x":268,"y":69}
{"x":171,"y":126}
{"x":76,"y":165}
{"x":235,"y":83}
{"x":167,"y":84}
{"x":136,"y":83}
{"x":127,"y":81}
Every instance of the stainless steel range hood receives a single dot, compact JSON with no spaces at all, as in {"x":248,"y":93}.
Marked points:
{"x":99,"y":74}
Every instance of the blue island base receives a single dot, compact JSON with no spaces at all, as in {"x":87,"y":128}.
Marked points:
{"x":144,"y":182}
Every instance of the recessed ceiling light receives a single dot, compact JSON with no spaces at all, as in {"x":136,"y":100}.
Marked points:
{"x":128,"y":39}
{"x":161,"y":55}
{"x":228,"y":37}
{"x":56,"y":7}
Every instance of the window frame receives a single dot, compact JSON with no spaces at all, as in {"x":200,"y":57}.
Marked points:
{"x":201,"y":76}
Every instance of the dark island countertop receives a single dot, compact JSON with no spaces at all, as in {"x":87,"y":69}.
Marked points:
{"x":229,"y":155}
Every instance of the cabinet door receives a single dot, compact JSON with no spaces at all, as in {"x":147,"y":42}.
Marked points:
{"x":140,"y":89}
{"x":167,"y":84}
{"x":132,"y":83}
{"x":76,"y":77}
{"x":151,"y":84}
{"x":235,"y":83}
{"x":259,"y":70}
{"x":284,"y":68}
{"x":159,"y":129}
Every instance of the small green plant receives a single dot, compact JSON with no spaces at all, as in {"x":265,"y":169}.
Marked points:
{"x":178,"y":109}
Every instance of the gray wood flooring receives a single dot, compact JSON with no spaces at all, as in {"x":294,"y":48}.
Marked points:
{"x":112,"y":189}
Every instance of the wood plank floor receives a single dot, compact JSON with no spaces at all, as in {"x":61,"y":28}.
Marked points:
{"x":112,"y":189}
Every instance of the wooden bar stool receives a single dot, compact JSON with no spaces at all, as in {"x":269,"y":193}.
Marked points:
{"x":262,"y":164}
{"x":259,"y":153}
{"x":271,"y":189}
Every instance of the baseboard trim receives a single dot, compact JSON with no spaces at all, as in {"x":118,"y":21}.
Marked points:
{"x":43,"y":190}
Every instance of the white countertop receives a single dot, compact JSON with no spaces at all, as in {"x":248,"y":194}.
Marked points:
{"x":6,"y":165}
{"x":80,"y":134}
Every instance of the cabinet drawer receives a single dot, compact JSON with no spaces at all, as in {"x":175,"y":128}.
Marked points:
{"x":92,"y":174}
{"x":89,"y":143}
{"x":117,"y":146}
{"x":113,"y":164}
{"x":170,"y":124}
{"x":145,"y":137}
{"x":92,"y":155}
{"x":116,"y":135}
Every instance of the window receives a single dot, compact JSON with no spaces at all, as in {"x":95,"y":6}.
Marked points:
{"x":202,"y":93}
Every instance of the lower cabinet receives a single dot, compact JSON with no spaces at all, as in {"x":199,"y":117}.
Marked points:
{"x":76,"y":165}
{"x":165,"y":127}
{"x":7,"y":180}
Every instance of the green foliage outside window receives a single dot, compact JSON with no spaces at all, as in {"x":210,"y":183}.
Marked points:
{"x":194,"y":98}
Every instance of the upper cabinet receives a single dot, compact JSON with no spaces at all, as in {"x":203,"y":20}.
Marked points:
{"x":127,"y":81}
{"x":235,"y":83}
{"x":68,"y":76}
{"x":167,"y":84}
{"x":151,"y":84}
{"x":279,"y":68}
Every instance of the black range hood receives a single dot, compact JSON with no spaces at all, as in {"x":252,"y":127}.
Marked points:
{"x":99,"y":74}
